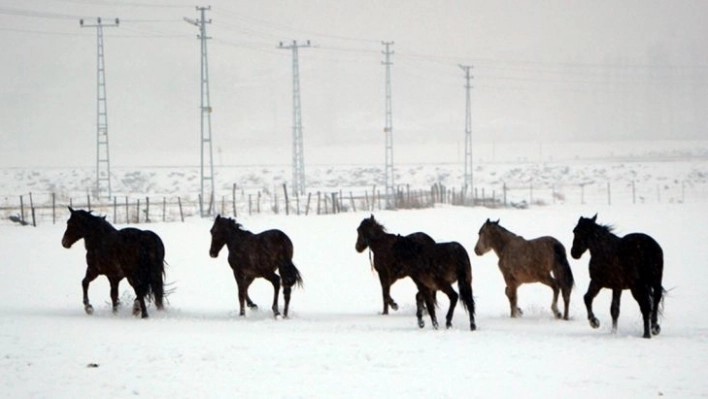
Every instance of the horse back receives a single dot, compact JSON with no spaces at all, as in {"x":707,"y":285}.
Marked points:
{"x":269,"y":249}
{"x":640,"y":252}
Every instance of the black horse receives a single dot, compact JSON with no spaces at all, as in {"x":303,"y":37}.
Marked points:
{"x":256,"y":255}
{"x":431,"y":266}
{"x":135,"y":254}
{"x":634,"y":262}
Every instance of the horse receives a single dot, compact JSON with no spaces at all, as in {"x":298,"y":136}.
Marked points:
{"x":634,"y":262}
{"x":431,"y":266}
{"x":138,"y":255}
{"x":523,"y":261}
{"x":256,"y":255}
{"x":389,"y":271}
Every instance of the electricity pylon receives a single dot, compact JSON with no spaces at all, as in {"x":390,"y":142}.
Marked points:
{"x":388,"y":130}
{"x":207,"y":171}
{"x":103,"y":164}
{"x":468,"y":185}
{"x":298,"y":146}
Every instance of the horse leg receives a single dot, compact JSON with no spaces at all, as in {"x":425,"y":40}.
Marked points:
{"x":566,"y":301}
{"x":593,"y":290}
{"x":615,"y":308}
{"x":247,"y":281}
{"x":88,"y":278}
{"x":658,"y":294}
{"x":114,"y":281}
{"x":386,"y":293}
{"x":275,"y":280}
{"x":242,"y":284}
{"x":419,"y":308}
{"x":511,"y":294}
{"x":452,"y":296}
{"x":429,"y":303}
{"x":551,"y":282}
{"x":641,"y":294}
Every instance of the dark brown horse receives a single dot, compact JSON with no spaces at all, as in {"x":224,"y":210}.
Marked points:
{"x":634,"y":262}
{"x":431,"y":266}
{"x":256,"y":255}
{"x":523,"y":261}
{"x":135,"y":254}
{"x":389,"y":271}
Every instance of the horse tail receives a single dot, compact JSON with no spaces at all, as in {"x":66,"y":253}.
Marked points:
{"x":152,"y":256}
{"x":464,"y":278}
{"x":290,"y":275}
{"x":561,"y":269}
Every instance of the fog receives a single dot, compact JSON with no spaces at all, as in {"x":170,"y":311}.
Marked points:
{"x":543,"y":72}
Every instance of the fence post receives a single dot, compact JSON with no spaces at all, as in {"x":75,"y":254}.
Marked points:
{"x":88,"y":202}
{"x":22,"y":210}
{"x":634,"y":193}
{"x":137,"y":210}
{"x":504,"y":188}
{"x":319,"y":203}
{"x":307,"y":207}
{"x":351,"y":199}
{"x":233,"y":197}
{"x":115,"y":209}
{"x":582,"y":194}
{"x":127,"y":211}
{"x":287,"y":200}
{"x":179,"y":203}
{"x":250,"y":209}
{"x":147,"y":209}
{"x":609,"y":194}
{"x":54,"y":208}
{"x":164,"y":209}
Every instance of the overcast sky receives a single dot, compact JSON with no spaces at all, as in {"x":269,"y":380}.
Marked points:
{"x":543,"y":71}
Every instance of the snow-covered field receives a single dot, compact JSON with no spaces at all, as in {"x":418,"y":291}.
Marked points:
{"x":336,"y":344}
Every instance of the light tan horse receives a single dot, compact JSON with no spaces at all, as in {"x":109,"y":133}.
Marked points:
{"x":527,"y":261}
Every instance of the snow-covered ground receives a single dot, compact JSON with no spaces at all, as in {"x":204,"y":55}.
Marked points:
{"x":336,"y":344}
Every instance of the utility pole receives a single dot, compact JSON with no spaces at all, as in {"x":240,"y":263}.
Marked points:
{"x":207,"y":158}
{"x":468,"y":185}
{"x":103,"y":164}
{"x":298,"y":186}
{"x":388,"y":129}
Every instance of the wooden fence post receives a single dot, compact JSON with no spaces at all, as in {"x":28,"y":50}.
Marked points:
{"x":179,"y":203}
{"x":287,"y":201}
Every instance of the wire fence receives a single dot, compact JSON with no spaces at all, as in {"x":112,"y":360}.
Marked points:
{"x":44,"y":208}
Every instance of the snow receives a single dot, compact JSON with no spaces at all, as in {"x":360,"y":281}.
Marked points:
{"x":336,"y":343}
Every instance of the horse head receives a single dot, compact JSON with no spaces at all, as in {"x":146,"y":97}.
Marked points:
{"x":484,"y":244}
{"x":76,"y":227}
{"x":368,"y":228}
{"x":221,"y":231}
{"x":581,"y":234}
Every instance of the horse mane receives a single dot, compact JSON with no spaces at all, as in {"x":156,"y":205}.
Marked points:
{"x":504,"y":229}
{"x":98,"y":221}
{"x":234,"y":224}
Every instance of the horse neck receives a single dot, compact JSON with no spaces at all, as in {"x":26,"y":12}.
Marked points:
{"x":98,"y":235}
{"x":500,"y":238}
{"x":236,"y":237}
{"x":380,"y":240}
{"x":604,"y":241}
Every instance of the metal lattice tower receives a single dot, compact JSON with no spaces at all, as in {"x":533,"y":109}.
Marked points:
{"x":103,"y":164}
{"x":298,"y":152}
{"x":388,"y":129}
{"x":468,"y":185}
{"x":207,"y":158}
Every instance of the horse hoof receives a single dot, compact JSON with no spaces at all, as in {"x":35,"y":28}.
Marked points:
{"x":136,"y":308}
{"x":394,"y":306}
{"x":88,"y":309}
{"x":435,"y":325}
{"x":448,"y":325}
{"x":559,"y":315}
{"x":594,"y":322}
{"x":421,"y":324}
{"x":253,"y":306}
{"x":655,"y":329}
{"x":473,"y":326}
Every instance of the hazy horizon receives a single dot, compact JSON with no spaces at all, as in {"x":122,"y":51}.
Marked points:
{"x":542,"y":73}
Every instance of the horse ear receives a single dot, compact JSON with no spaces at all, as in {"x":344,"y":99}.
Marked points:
{"x":372,"y":217}
{"x":218,"y":216}
{"x":488,"y":221}
{"x":497,"y":222}
{"x":594,"y":218}
{"x":70,"y":209}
